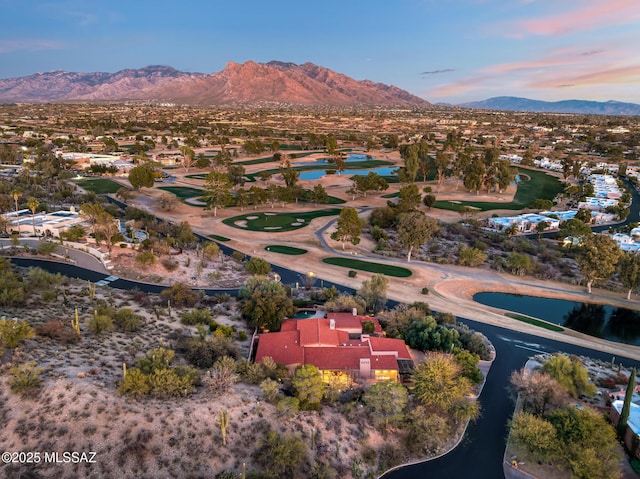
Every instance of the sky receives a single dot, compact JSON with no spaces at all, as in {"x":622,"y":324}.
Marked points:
{"x":450,"y":51}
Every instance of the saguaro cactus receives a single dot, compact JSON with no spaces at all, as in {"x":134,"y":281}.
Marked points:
{"x":75,"y":323}
{"x":223,"y":422}
{"x":124,"y":371}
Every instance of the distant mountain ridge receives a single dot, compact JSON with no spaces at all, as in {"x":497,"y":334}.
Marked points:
{"x":510,"y":103}
{"x":247,"y":83}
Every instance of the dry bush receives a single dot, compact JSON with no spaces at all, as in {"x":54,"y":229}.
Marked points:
{"x":57,"y":330}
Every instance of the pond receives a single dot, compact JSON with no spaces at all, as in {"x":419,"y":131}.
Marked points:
{"x":308,"y":313}
{"x":351,"y":157}
{"x":601,"y":321}
{"x":317,"y":174}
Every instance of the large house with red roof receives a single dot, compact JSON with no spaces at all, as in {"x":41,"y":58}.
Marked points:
{"x":337,"y":346}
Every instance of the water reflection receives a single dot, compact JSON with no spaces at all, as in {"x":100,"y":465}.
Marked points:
{"x":601,"y":321}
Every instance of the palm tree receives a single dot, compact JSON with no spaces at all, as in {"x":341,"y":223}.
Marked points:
{"x":33,"y":204}
{"x":16,"y":194}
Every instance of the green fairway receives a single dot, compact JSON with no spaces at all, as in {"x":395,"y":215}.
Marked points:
{"x":386,"y":269}
{"x":276,"y":222}
{"x":535,"y":322}
{"x":219,"y":238}
{"x":538,"y":185}
{"x":278,"y":248}
{"x":182,"y":192}
{"x":100,"y":186}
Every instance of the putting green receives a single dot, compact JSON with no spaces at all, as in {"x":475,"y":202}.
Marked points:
{"x":276,"y":222}
{"x":386,"y":269}
{"x":277,"y":248}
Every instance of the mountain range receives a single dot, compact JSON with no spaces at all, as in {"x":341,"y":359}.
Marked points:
{"x":510,"y":103}
{"x":247,"y":83}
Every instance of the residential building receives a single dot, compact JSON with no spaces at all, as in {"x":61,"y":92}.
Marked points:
{"x":337,"y":346}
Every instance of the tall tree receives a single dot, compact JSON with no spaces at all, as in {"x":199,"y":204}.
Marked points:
{"x":438,"y":382}
{"x":16,"y":194}
{"x":409,"y":198}
{"x":348,"y":227}
{"x":626,"y":406}
{"x":265,"y":303}
{"x":598,"y":258}
{"x":629,"y":271}
{"x":319,"y":194}
{"x":187,"y":157}
{"x":386,"y":402}
{"x":217,"y":190}
{"x":141,"y":176}
{"x":309,"y":386}
{"x":374,"y":292}
{"x":32,"y":204}
{"x":414,"y":230}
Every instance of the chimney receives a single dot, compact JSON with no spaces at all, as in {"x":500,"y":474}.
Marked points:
{"x":332,"y":324}
{"x":354,"y":311}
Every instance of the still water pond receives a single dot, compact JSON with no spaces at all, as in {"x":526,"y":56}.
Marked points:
{"x":608,"y":322}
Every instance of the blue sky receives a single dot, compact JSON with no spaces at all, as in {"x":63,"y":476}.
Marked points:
{"x":441,"y":50}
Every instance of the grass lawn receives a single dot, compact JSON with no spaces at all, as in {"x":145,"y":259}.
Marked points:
{"x":182,"y":192}
{"x":535,"y":322}
{"x":386,"y":269}
{"x":276,"y":222}
{"x":278,"y":248}
{"x":539,"y":185}
{"x":100,"y":186}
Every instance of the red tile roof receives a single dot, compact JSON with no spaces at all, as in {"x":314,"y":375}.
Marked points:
{"x":381,"y":345}
{"x":312,"y":341}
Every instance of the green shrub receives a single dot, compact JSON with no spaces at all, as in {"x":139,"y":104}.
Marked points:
{"x":352,"y":273}
{"x":46,"y":247}
{"x":181,"y":295}
{"x":241,"y":335}
{"x":25,"y":379}
{"x":258,"y":266}
{"x":13,"y":332}
{"x":424,"y":290}
{"x":146,"y":258}
{"x":237,"y":255}
{"x":221,"y":330}
{"x":100,"y":323}
{"x":196,"y":316}
{"x":127,"y":320}
{"x":154,"y":377}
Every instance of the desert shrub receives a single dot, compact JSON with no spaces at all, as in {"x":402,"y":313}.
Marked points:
{"x":238,"y":256}
{"x":222,"y":375}
{"x":281,"y":455}
{"x":13,"y":332}
{"x":181,"y":295}
{"x":424,"y":290}
{"x":154,"y":377}
{"x":241,"y":335}
{"x":169,"y":264}
{"x":204,"y":353}
{"x":25,"y":379}
{"x":270,"y":390}
{"x":196,"y":316}
{"x":38,"y":278}
{"x":258,"y":266}
{"x":100,"y":323}
{"x":352,"y":274}
{"x":221,"y":330}
{"x":57,"y":330}
{"x":46,"y":247}
{"x":345,"y":303}
{"x":127,"y":320}
{"x":288,"y":407}
{"x":146,"y":258}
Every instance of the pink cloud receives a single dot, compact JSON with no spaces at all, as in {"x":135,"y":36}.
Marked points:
{"x":589,"y":15}
{"x":618,"y":75}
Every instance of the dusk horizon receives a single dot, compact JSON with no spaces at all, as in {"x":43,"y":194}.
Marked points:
{"x":461,"y":51}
